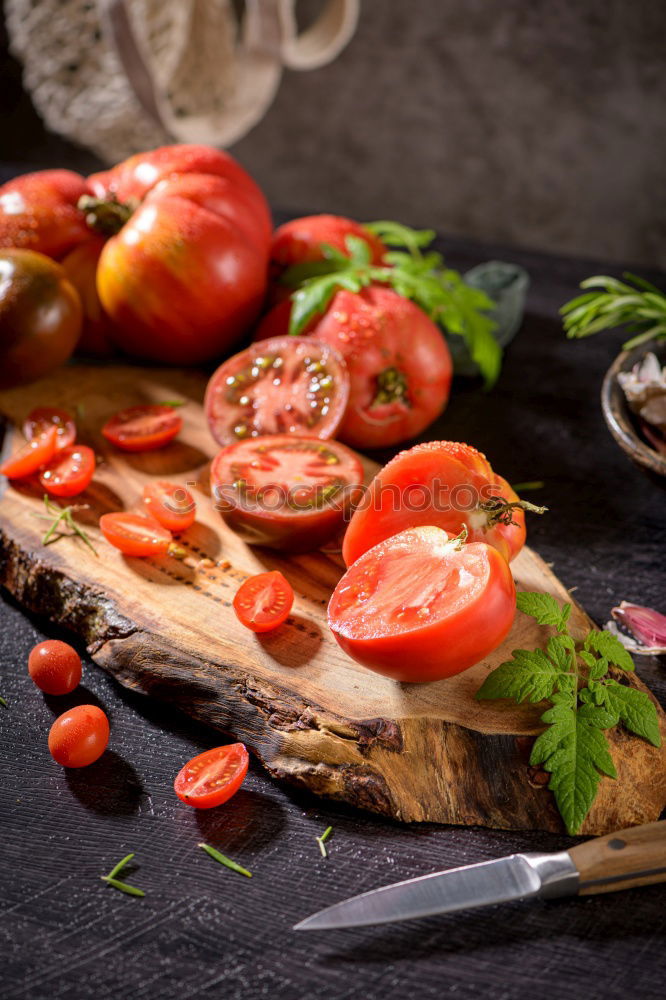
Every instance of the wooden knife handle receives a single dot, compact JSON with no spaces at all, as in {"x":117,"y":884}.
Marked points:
{"x":622,"y":860}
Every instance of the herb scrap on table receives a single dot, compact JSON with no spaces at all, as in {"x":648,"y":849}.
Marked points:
{"x":585,"y":702}
{"x":110,"y":879}
{"x":321,"y":840}
{"x":224,"y":860}
{"x":62,"y":517}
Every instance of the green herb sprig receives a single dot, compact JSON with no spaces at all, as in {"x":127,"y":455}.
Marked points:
{"x":3,"y":702}
{"x":634,"y":303}
{"x":413,"y":272}
{"x":110,"y":879}
{"x":224,"y":860}
{"x":62,"y":517}
{"x":321,"y":840}
{"x":585,"y":702}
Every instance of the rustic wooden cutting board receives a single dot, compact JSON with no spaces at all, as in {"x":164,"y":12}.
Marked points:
{"x":312,"y":715}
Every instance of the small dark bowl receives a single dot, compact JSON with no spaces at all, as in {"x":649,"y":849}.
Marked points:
{"x":619,"y":418}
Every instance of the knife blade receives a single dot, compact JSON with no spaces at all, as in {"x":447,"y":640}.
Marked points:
{"x":618,"y":861}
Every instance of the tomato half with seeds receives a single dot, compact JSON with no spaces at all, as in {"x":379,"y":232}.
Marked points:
{"x":135,"y":534}
{"x":291,"y":385}
{"x":69,"y":472}
{"x":445,"y":483}
{"x":170,"y":504}
{"x":79,"y":737}
{"x":42,"y":418}
{"x":422,"y":605}
{"x":264,"y":601}
{"x":212,"y":777}
{"x":143,"y":428}
{"x":285,"y":491}
{"x":31,"y":456}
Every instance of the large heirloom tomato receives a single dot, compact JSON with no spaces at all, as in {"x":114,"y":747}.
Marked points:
{"x":399,"y":365}
{"x":442,"y":483}
{"x":39,"y":212}
{"x":421,"y":605}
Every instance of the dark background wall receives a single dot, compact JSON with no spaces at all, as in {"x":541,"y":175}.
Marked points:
{"x":530,"y":122}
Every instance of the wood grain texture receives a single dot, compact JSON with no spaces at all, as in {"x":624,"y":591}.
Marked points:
{"x":622,"y":860}
{"x":314,"y":717}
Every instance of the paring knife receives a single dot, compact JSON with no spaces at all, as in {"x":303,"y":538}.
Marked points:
{"x":618,"y":861}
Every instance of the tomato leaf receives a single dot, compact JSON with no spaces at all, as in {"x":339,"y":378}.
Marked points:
{"x":611,"y":648}
{"x":636,"y":710}
{"x":530,"y":676}
{"x":543,"y":608}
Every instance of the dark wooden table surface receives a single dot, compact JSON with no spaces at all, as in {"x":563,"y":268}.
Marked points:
{"x":203,"y":931}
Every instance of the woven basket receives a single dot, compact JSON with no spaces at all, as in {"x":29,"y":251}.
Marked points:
{"x":119,"y":76}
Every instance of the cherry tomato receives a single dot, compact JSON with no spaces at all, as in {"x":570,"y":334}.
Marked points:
{"x":69,"y":471}
{"x":170,"y":504}
{"x":55,"y":667}
{"x":31,"y":456}
{"x":42,"y":418}
{"x":79,"y":737}
{"x":81,"y":264}
{"x":421,"y":605}
{"x":399,"y":366}
{"x":301,"y":240}
{"x":445,"y":483}
{"x":264,"y":601}
{"x":185,"y":275}
{"x":135,"y":534}
{"x":286,"y":385}
{"x":40,"y":316}
{"x":212,"y":777}
{"x":38,"y":211}
{"x":143,"y":428}
{"x":285,"y":491}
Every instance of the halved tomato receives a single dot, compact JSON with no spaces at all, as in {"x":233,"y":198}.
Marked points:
{"x":40,"y":419}
{"x":285,"y":491}
{"x":264,"y":601}
{"x":134,"y":534}
{"x":422,"y":605}
{"x":143,"y":428}
{"x":212,"y":777}
{"x":69,"y":471}
{"x":292,"y":385}
{"x":170,"y":504}
{"x":31,"y":456}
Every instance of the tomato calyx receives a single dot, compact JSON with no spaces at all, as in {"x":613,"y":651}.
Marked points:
{"x":391,"y":388}
{"x":105,"y":215}
{"x":497,"y":510}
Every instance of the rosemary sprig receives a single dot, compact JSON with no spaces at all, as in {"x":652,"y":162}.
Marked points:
{"x":224,"y":860}
{"x":322,"y":841}
{"x":110,"y":879}
{"x":59,"y":517}
{"x":3,"y":702}
{"x":635,"y":303}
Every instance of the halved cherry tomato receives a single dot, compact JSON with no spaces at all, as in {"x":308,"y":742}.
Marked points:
{"x":421,"y":605}
{"x":31,"y":456}
{"x":285,"y":385}
{"x":285,"y":491}
{"x":69,"y":471}
{"x":212,"y":777}
{"x":143,"y":428}
{"x":264,"y":601}
{"x":135,"y":534}
{"x":79,"y":737}
{"x":54,"y":666}
{"x":40,"y":419}
{"x":170,"y":504}
{"x":445,"y":483}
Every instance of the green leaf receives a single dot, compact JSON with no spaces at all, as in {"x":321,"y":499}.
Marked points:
{"x":636,"y":710}
{"x":543,"y":608}
{"x":609,"y":645}
{"x":559,"y":652}
{"x":311,"y":300}
{"x":530,"y":676}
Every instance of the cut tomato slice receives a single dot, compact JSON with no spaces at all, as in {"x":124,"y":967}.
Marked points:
{"x":264,"y":601}
{"x":170,"y":504}
{"x":283,"y":385}
{"x":143,"y":428}
{"x":286,"y":491}
{"x":422,"y":605}
{"x":69,"y":471}
{"x":212,"y":777}
{"x":135,"y":534}
{"x":42,"y":418}
{"x":31,"y":456}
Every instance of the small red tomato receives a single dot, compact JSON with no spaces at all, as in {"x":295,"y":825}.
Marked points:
{"x":303,"y":240}
{"x":143,"y":428}
{"x":69,"y":472}
{"x":55,"y":667}
{"x":212,"y":777}
{"x":42,"y":418}
{"x":170,"y":504}
{"x":79,"y":737}
{"x":264,"y":601}
{"x":134,"y":534}
{"x":31,"y":456}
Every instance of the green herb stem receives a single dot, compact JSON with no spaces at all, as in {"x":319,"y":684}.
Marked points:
{"x":3,"y":702}
{"x":224,"y":860}
{"x":322,"y":841}
{"x":129,"y":890}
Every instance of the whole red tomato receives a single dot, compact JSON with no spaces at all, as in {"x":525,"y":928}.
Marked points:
{"x":399,"y":365}
{"x":39,"y":211}
{"x":81,"y":267}
{"x":301,"y":240}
